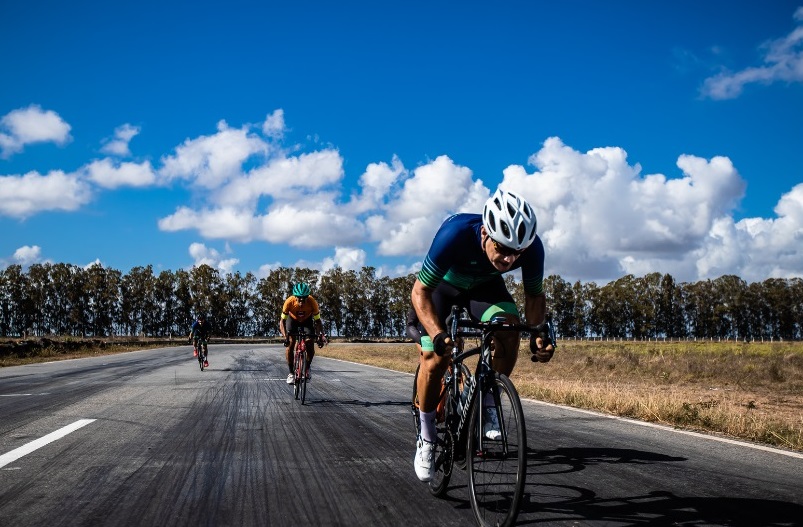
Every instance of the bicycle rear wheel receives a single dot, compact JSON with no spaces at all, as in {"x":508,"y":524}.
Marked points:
{"x":497,"y":468}
{"x":444,"y":449}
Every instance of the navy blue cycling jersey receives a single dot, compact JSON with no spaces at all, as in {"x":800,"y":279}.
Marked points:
{"x":457,"y":257}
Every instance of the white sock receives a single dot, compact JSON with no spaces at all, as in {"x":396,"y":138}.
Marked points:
{"x":428,"y":432}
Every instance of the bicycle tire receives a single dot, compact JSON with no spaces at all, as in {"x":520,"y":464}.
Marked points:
{"x":302,"y":379}
{"x":296,"y":381}
{"x":444,"y":449}
{"x":497,"y":469}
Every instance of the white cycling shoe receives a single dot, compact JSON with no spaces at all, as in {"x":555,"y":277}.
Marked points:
{"x":291,"y":379}
{"x":490,"y":427}
{"x":424,"y":463}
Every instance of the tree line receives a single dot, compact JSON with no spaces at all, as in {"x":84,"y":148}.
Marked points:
{"x":97,"y":301}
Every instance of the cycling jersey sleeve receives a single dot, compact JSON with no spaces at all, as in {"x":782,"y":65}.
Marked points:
{"x":532,"y":268}
{"x":441,"y":253}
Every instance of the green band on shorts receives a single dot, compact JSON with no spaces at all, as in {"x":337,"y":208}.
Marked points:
{"x":506,"y":308}
{"x":426,"y":343}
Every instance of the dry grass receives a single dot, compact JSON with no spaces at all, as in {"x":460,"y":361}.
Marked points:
{"x":751,"y":391}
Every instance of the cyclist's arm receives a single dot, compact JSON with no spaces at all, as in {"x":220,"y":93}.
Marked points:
{"x":534,"y":308}
{"x":282,"y":325}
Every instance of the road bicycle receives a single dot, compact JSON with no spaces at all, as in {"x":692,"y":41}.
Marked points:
{"x":202,"y":349}
{"x":301,"y":363}
{"x":496,"y":466}
{"x":300,"y":366}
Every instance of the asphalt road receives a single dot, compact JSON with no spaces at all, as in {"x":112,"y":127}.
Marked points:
{"x":145,"y":438}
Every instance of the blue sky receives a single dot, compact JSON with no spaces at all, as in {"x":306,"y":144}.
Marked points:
{"x":649,"y":136}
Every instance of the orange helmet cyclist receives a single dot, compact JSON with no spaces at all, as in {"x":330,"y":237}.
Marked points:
{"x":300,"y":313}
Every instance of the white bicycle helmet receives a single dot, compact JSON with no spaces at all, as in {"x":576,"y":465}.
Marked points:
{"x":509,"y":220}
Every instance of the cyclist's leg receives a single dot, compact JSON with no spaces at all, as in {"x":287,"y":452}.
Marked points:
{"x":309,"y":332}
{"x":432,"y":367}
{"x":290,"y":327}
{"x":490,"y":300}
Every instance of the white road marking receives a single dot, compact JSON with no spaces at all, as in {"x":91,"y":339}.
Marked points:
{"x":17,"y":453}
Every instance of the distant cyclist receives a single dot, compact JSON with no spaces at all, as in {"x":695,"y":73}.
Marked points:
{"x":200,"y":332}
{"x":300,"y":312}
{"x":464,"y":267}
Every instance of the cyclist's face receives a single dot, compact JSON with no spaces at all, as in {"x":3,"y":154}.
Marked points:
{"x":501,"y":257}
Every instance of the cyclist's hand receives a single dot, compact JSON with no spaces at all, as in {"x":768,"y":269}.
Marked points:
{"x":541,"y":345}
{"x":442,"y":343}
{"x":286,"y":342}
{"x":321,"y":340}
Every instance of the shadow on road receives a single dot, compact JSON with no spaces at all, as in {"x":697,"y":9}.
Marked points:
{"x":550,"y":503}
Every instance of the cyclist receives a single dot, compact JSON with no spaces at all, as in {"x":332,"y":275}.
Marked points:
{"x":464,"y":267}
{"x":300,"y":311}
{"x":200,"y":330}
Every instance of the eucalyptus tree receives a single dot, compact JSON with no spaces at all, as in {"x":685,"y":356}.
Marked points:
{"x":166,"y":303}
{"x":272,"y":291}
{"x":17,"y":310}
{"x":138,"y":301}
{"x":400,"y":304}
{"x":560,"y":303}
{"x":331,"y":298}
{"x":103,"y":288}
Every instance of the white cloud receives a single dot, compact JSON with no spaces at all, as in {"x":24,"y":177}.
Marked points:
{"x":274,"y":124}
{"x":31,"y":125}
{"x":23,"y":196}
{"x":783,"y":61}
{"x":110,"y":174}
{"x":27,"y":255}
{"x":436,"y":190}
{"x":203,"y":255}
{"x":118,"y":144}
{"x":347,"y":258}
{"x":599,"y":218}
{"x":212,"y":161}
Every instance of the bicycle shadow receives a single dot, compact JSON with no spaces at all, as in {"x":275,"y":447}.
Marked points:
{"x":564,"y":503}
{"x":546,"y":462}
{"x":657,"y":508}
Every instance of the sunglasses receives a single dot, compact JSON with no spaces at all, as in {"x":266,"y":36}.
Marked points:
{"x":505,"y":250}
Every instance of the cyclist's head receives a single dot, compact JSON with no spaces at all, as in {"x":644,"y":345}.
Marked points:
{"x":201,"y":317}
{"x":301,"y":290}
{"x":509,"y":220}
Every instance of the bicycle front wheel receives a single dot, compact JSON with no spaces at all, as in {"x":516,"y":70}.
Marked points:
{"x":296,"y":375}
{"x":302,"y":379}
{"x":497,"y":464}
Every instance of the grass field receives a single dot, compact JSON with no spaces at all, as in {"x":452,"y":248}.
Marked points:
{"x":747,"y":391}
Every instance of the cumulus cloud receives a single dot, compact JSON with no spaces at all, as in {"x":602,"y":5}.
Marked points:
{"x":274,"y":124}
{"x":23,"y":196}
{"x":783,"y":62}
{"x":347,"y":258}
{"x":118,"y":144}
{"x":408,"y":222}
{"x":27,"y":255}
{"x":212,"y":161}
{"x":203,"y":255}
{"x":31,"y":125}
{"x":110,"y":174}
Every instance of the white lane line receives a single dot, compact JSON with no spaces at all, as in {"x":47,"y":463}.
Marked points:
{"x":17,"y":453}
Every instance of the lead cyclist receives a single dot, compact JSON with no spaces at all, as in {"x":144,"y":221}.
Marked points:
{"x":464,"y":267}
